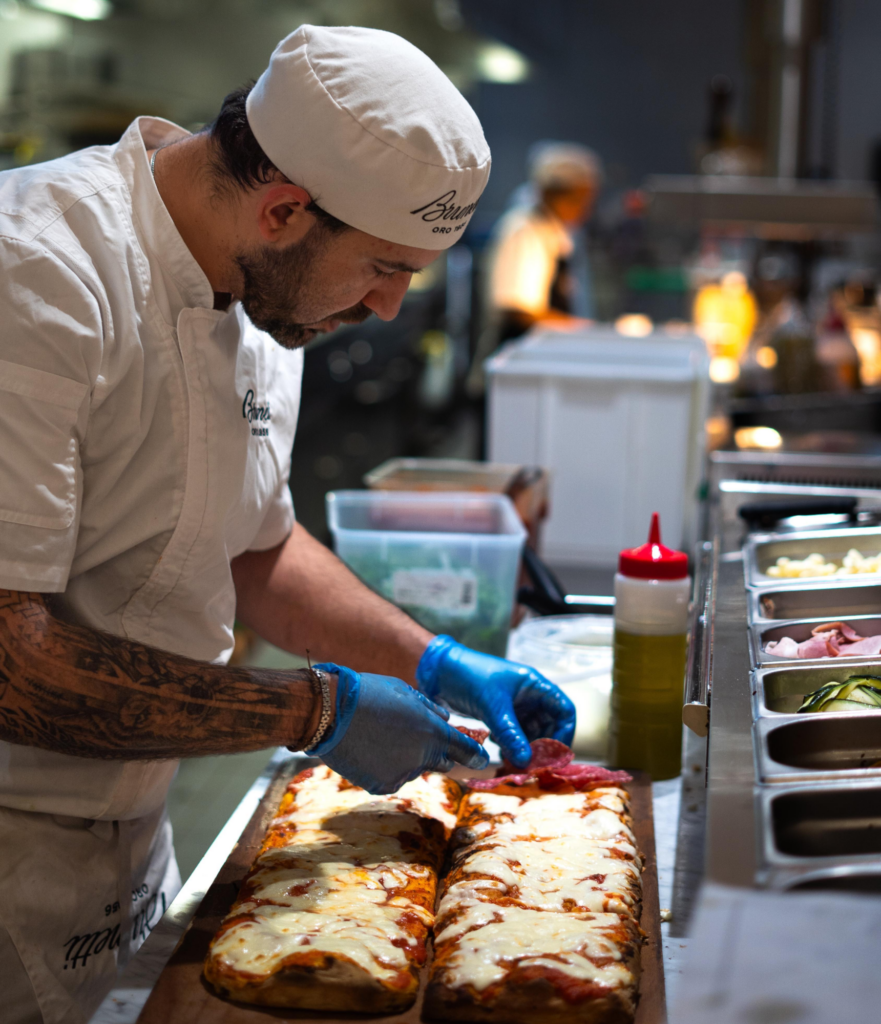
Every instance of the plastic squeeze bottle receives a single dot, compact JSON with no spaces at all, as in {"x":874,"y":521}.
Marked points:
{"x":652,"y":589}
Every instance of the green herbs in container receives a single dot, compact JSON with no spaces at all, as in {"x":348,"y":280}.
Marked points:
{"x":857,"y":693}
{"x":449,"y":559}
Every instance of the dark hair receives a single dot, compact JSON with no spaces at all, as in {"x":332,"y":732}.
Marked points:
{"x":240,"y":159}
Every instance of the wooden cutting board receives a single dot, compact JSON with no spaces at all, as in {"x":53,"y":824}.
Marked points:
{"x":181,"y":996}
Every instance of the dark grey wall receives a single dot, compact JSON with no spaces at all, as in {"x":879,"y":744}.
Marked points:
{"x":627,"y":77}
{"x":858,"y":102}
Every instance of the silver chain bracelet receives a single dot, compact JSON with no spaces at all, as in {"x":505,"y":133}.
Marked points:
{"x":323,"y":681}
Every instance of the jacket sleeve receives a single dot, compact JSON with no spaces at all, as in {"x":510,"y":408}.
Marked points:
{"x":49,"y":345}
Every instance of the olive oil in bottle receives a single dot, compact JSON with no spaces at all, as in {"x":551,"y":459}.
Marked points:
{"x":652,"y":589}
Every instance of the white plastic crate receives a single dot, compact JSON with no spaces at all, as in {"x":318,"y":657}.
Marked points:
{"x":618,"y":422}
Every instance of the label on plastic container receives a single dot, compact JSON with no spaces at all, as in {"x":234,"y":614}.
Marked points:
{"x":442,"y":590}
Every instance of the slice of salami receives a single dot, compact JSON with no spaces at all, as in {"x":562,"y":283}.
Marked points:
{"x":499,"y":780}
{"x":547,"y":753}
{"x":552,"y":769}
{"x":478,"y":735}
{"x":586,"y":776}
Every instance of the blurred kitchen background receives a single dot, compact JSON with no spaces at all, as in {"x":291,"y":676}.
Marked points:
{"x":741,"y":144}
{"x":684,"y":88}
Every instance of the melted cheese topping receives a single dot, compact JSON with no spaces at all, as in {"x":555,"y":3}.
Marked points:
{"x":346,"y":925}
{"x":321,"y":855}
{"x":547,"y":874}
{"x":492,"y":939}
{"x":569,"y":814}
{"x":335,"y":877}
{"x":303,"y":889}
{"x":485,"y":834}
{"x":548,"y":805}
{"x":317,"y":803}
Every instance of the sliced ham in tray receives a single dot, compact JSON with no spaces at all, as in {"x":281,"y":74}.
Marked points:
{"x":828,"y":640}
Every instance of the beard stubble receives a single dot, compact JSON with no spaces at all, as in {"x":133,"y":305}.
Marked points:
{"x":278,"y":283}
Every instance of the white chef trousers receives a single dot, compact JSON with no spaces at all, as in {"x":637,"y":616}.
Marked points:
{"x":77,"y":898}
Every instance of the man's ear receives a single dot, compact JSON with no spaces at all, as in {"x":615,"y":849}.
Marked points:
{"x":281,"y":213}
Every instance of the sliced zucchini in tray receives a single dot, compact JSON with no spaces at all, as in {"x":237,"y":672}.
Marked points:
{"x":857,"y":693}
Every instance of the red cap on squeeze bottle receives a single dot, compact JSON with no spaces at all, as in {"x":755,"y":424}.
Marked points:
{"x":653,"y":561}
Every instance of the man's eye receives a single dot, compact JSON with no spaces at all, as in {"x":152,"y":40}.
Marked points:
{"x":385,"y":273}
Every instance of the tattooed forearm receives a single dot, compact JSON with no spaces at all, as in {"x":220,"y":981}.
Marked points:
{"x":77,"y":691}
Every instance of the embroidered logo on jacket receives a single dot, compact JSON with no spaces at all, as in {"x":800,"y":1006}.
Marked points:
{"x":256,"y":414}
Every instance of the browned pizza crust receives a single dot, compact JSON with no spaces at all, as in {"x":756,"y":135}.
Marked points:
{"x":533,"y":1002}
{"x":328,"y":983}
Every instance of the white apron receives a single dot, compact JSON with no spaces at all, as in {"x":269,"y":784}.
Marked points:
{"x":77,"y":912}
{"x":157,"y":433}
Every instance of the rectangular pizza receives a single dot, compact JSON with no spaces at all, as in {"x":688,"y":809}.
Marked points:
{"x":538,"y":919}
{"x":336,"y":910}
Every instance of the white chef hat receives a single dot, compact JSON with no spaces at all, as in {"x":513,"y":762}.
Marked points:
{"x":562,"y":165}
{"x":374,"y":131}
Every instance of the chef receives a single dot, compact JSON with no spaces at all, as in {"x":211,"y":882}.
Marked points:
{"x":155,"y":299}
{"x":537,"y":264}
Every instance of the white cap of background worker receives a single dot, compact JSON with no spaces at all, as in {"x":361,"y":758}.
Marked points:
{"x":559,"y":166}
{"x":375,"y":133}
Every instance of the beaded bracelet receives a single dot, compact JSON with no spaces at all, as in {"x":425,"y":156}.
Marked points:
{"x":322,"y":679}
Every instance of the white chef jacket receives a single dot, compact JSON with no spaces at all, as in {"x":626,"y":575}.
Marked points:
{"x":528,"y":246}
{"x":145,"y":441}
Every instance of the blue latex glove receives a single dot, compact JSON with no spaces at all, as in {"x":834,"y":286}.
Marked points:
{"x":515,"y":702}
{"x":386,"y":733}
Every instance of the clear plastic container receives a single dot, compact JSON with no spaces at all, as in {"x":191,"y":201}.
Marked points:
{"x":441,"y":475}
{"x":575,"y":652}
{"x":448,"y":559}
{"x":526,"y":486}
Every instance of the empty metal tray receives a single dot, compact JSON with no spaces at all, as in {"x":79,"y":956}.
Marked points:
{"x":763,"y":550}
{"x":816,"y":824}
{"x":780,"y":691}
{"x":863,"y":880}
{"x":809,"y":835}
{"x":826,"y":599}
{"x":818,"y":747}
{"x":800,"y":629}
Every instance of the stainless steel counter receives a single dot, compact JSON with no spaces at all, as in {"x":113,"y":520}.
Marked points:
{"x":793,"y":800}
{"x":731,"y":836}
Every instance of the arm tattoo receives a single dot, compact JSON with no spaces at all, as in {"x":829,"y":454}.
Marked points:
{"x":77,"y":691}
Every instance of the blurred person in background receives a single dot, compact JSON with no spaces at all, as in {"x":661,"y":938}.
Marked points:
{"x":538,"y":269}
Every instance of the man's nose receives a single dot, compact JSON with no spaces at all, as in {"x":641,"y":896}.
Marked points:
{"x":385,"y":300}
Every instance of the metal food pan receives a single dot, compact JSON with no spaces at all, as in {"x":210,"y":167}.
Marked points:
{"x":861,"y":880}
{"x":780,"y":691}
{"x":827,"y":600}
{"x":799,"y":630}
{"x":763,"y":550}
{"x":802,"y":748}
{"x":820,"y":826}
